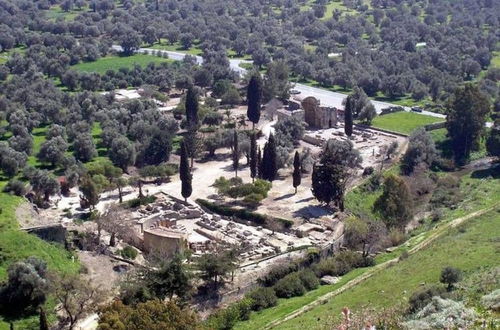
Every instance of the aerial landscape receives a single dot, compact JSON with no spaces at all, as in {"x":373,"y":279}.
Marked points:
{"x":249,"y":164}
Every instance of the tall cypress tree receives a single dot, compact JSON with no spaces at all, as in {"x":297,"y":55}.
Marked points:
{"x":185,"y":173}
{"x":44,"y":325}
{"x":296,"y":171}
{"x":259,"y":164}
{"x":254,"y":99}
{"x":236,"y":153}
{"x":348,"y":116}
{"x":253,"y":156}
{"x":269,"y":163}
{"x":192,"y":108}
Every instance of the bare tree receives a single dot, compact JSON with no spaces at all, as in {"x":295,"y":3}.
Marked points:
{"x":77,"y":297}
{"x":115,"y":221}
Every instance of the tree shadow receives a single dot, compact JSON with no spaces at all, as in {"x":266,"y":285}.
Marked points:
{"x":312,"y":212}
{"x":305,"y":200}
{"x":492,"y":172}
{"x":284,"y":197}
{"x":218,"y":157}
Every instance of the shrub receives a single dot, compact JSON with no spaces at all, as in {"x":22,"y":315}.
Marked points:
{"x":253,"y":199}
{"x":368,"y":171}
{"x":136,"y":202}
{"x":309,"y":279}
{"x":128,"y":252}
{"x":228,"y":317}
{"x":278,"y":272}
{"x":262,"y":298}
{"x":242,"y":214}
{"x":341,"y":263}
{"x":396,"y":237}
{"x":443,"y":314}
{"x":444,"y":164}
{"x":492,"y":300}
{"x":235,"y":188}
{"x":447,"y":193}
{"x":16,"y":187}
{"x":244,"y":308}
{"x":290,"y":286}
{"x":450,"y":276}
{"x":422,"y":297}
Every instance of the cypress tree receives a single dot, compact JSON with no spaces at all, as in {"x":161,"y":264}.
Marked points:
{"x":253,"y":157}
{"x":396,"y":203}
{"x":185,"y":173}
{"x":236,"y":153}
{"x":348,"y":116}
{"x":259,"y":164}
{"x":254,"y":99}
{"x":192,"y":108}
{"x":296,"y":171}
{"x":43,"y":320}
{"x":269,"y":164}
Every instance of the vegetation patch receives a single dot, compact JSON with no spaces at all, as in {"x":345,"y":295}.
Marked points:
{"x":243,"y":214}
{"x":116,"y":62}
{"x":403,"y":122}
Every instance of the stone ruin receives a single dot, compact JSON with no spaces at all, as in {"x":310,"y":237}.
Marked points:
{"x":317,"y":116}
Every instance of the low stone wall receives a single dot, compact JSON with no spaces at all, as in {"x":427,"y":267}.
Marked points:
{"x":365,"y":127}
{"x":312,"y":140}
{"x":435,"y":126}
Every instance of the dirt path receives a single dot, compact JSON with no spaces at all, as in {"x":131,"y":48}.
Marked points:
{"x":440,"y":231}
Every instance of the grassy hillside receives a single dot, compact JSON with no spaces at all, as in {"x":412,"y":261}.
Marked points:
{"x":472,"y":247}
{"x":481,"y":190}
{"x":17,"y":245}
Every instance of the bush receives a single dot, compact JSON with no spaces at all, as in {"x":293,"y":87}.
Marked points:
{"x":242,"y":214}
{"x":492,"y":300}
{"x":341,"y":263}
{"x":444,"y":164}
{"x":443,"y":314}
{"x":278,"y":272}
{"x":447,"y":193}
{"x":368,"y":171}
{"x":262,"y":298}
{"x":290,"y":286}
{"x":128,"y":252}
{"x":309,"y":279}
{"x":16,"y":187}
{"x":396,"y":237}
{"x":235,"y":188}
{"x":136,"y":202}
{"x":253,"y":199}
{"x":450,"y":276}
{"x":227,"y":318}
{"x":422,"y":297}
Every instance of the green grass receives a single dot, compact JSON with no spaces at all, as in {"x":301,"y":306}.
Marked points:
{"x":337,"y":5}
{"x":176,"y":47}
{"x":472,"y":248}
{"x":404,"y":101}
{"x":495,"y":61}
{"x":55,"y":12}
{"x":403,"y":122}
{"x":117,"y":62}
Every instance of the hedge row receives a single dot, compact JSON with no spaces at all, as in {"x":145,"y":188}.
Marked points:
{"x":243,"y":214}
